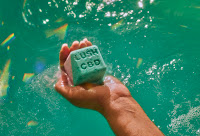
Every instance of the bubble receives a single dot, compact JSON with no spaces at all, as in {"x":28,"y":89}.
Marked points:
{"x":140,"y":4}
{"x":184,"y":120}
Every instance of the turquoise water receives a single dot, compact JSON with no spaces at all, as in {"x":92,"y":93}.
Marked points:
{"x":164,"y":34}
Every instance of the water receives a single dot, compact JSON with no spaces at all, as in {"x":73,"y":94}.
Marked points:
{"x":163,"y":34}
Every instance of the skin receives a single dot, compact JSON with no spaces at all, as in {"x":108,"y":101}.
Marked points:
{"x":113,"y":100}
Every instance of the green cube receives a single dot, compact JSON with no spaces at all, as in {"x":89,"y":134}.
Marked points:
{"x":85,"y":65}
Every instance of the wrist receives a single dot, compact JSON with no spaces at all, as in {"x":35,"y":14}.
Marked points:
{"x":121,"y":115}
{"x":122,"y":106}
{"x":126,"y":113}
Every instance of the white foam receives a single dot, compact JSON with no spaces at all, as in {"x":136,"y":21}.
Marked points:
{"x":184,"y":120}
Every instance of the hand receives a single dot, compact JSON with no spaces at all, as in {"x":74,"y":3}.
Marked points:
{"x":113,"y":100}
{"x":91,"y":96}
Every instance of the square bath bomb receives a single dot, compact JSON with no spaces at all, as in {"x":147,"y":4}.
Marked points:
{"x":85,"y":65}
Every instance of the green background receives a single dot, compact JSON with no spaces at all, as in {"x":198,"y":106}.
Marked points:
{"x":164,"y":33}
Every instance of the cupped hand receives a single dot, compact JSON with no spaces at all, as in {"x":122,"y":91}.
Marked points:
{"x":90,"y":96}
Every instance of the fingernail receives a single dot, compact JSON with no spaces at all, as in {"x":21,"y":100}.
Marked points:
{"x":65,"y":45}
{"x":85,"y":39}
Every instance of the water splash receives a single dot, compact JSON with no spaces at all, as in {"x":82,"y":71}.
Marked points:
{"x":184,"y":121}
{"x":37,"y":106}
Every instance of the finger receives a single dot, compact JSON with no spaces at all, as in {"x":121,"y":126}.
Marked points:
{"x":75,"y":46}
{"x":65,"y":78}
{"x":64,"y":52}
{"x":83,"y":44}
{"x":88,"y":43}
{"x":111,"y":80}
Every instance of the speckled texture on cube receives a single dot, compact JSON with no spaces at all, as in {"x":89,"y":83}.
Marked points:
{"x":86,"y":65}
